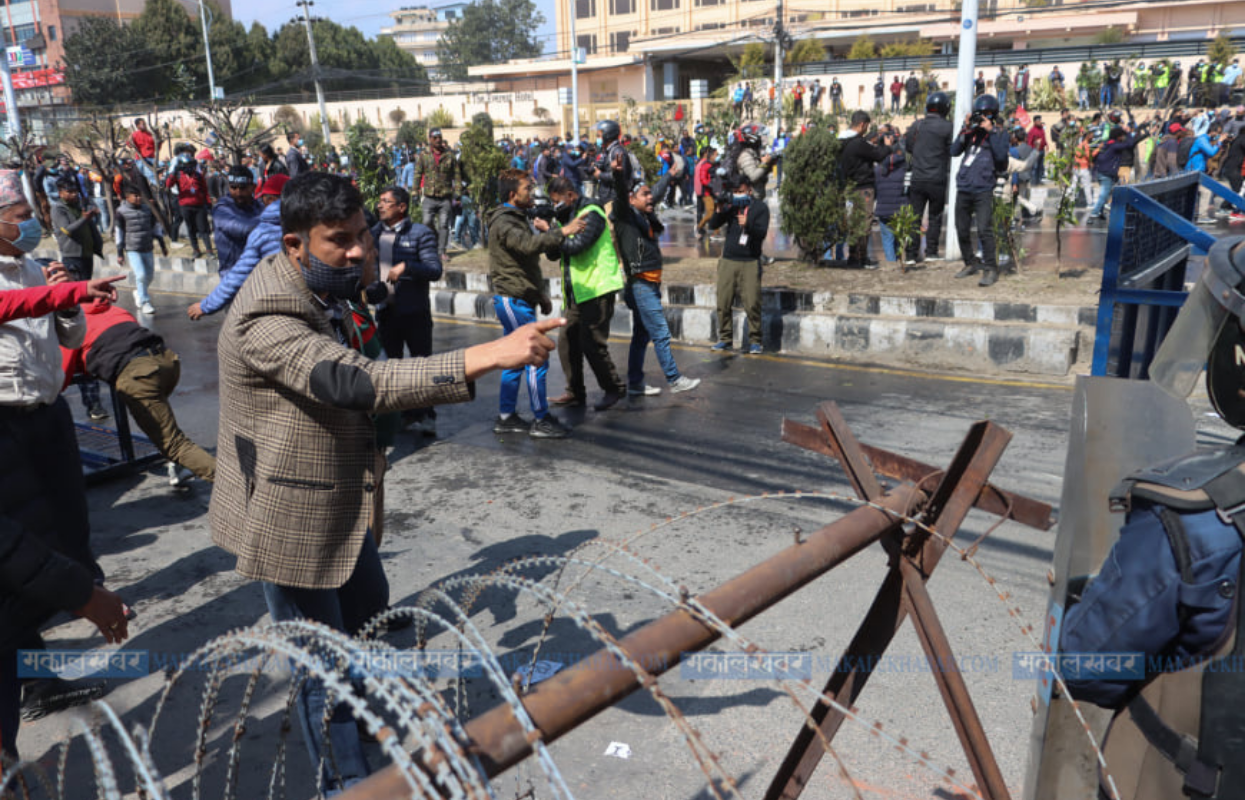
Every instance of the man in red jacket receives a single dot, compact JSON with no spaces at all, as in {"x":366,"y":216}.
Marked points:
{"x":704,"y":188}
{"x":1037,"y":140}
{"x":193,"y":199}
{"x":134,"y":360}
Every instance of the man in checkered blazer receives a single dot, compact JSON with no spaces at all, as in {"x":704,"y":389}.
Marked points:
{"x":296,"y":455}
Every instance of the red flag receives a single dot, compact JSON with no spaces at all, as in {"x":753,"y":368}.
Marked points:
{"x":678,"y":113}
{"x":1023,"y":118}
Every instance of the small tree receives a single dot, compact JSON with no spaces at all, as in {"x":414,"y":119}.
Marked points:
{"x":862,"y":48}
{"x":288,"y":118}
{"x":481,"y":119}
{"x":1221,"y":50}
{"x":805,"y":51}
{"x":364,"y":146}
{"x":1060,"y":168}
{"x":396,"y":116}
{"x":412,"y":133}
{"x":482,"y":162}
{"x":440,"y":118}
{"x":1111,"y":35}
{"x":906,"y":227}
{"x":231,"y":122}
{"x":812,"y":203}
{"x":751,"y":64}
{"x":648,"y":160}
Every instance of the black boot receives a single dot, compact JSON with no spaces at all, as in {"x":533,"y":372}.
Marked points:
{"x":988,"y":277}
{"x":969,"y":270}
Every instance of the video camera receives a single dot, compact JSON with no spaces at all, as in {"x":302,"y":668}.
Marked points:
{"x":542,"y":207}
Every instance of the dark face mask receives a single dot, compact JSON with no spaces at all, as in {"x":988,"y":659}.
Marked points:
{"x":343,"y":283}
{"x":563,"y":212}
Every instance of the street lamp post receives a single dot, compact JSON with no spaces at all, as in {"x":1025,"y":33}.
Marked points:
{"x":207,"y":49}
{"x":315,"y":72}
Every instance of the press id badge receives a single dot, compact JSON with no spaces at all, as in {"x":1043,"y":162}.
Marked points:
{"x":743,"y":238}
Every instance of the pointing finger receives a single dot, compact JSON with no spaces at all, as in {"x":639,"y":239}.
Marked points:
{"x":545,"y":325}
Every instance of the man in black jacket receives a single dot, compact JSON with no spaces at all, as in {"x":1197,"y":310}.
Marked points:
{"x":747,"y":223}
{"x":928,"y":145}
{"x":591,"y":278}
{"x":983,"y":143}
{"x":856,"y":160}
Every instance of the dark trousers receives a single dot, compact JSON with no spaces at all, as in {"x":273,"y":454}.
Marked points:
{"x":197,"y":226}
{"x":979,"y":205}
{"x":42,"y":488}
{"x":401,"y":332}
{"x":587,"y":335}
{"x":80,"y":268}
{"x":922,"y":195}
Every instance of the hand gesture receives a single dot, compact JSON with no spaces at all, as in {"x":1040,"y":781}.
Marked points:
{"x":106,"y":610}
{"x":55,"y":273}
{"x":396,"y":272}
{"x":103,"y":289}
{"x":573,"y":227}
{"x":540,"y":224}
{"x":528,"y":345}
{"x":195,"y":312}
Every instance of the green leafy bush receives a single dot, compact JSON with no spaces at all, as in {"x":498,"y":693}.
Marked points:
{"x":440,"y":118}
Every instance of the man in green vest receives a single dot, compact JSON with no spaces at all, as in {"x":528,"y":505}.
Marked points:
{"x":1162,"y":77}
{"x":591,"y":277}
{"x":1141,"y":83}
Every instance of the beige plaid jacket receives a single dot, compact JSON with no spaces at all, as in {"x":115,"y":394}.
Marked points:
{"x":296,"y":453}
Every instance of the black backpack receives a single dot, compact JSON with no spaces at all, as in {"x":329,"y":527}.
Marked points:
{"x":1183,"y":151}
{"x":730,"y":162}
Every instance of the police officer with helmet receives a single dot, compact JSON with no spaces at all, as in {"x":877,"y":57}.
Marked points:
{"x":928,"y":146}
{"x":983,"y":143}
{"x":1170,"y":589}
{"x":615,"y":170}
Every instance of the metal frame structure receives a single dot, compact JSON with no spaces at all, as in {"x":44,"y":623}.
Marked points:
{"x":1150,"y":294}
{"x":572,"y":697}
{"x":107,"y":453}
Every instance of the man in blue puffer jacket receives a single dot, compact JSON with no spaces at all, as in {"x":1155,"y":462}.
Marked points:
{"x":234,"y":216}
{"x":263,"y":241}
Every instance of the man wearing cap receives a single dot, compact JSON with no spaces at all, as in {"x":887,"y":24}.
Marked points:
{"x":437,"y":173}
{"x":235,"y":216}
{"x":46,"y":563}
{"x":263,"y":241}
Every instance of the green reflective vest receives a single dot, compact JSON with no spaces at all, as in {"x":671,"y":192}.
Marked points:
{"x":596,"y":271}
{"x":1164,"y":77}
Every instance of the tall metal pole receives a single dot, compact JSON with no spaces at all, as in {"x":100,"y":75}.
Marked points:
{"x":778,"y":34}
{"x":963,"y":104}
{"x":315,"y":72}
{"x":207,"y":49}
{"x":574,"y":75}
{"x":13,"y":126}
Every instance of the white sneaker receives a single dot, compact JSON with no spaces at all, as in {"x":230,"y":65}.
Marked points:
{"x":684,"y":384}
{"x":148,"y":308}
{"x":643,"y":391}
{"x":178,"y":476}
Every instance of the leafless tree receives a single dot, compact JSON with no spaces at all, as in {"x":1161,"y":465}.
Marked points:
{"x":234,"y":126}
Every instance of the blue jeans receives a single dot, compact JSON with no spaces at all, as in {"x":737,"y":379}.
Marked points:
{"x":1002,"y":95}
{"x":1104,"y":96}
{"x":648,"y":324}
{"x":143,"y":266}
{"x":1082,"y":98}
{"x":1105,"y":185}
{"x":888,"y":240}
{"x":104,"y":220}
{"x":346,"y":609}
{"x":514,"y":314}
{"x":467,"y":226}
{"x":145,"y":167}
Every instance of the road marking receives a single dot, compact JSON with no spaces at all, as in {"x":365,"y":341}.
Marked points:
{"x":808,"y":362}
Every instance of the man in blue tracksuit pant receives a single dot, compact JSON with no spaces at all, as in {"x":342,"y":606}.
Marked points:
{"x":983,"y":143}
{"x":514,"y":251}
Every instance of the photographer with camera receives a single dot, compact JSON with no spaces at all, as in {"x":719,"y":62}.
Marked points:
{"x":983,"y":143}
{"x":514,"y":269}
{"x":747,"y":159}
{"x":857,"y":156}
{"x":192,"y":197}
{"x":739,"y":268}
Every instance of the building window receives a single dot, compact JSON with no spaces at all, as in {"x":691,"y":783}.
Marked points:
{"x":710,"y":26}
{"x":619,"y":7}
{"x":620,"y":41}
{"x":588,"y":42}
{"x":663,"y":5}
{"x":51,"y":33}
{"x":585,"y":9}
{"x":667,"y":30}
{"x":918,"y":9}
{"x":708,"y":3}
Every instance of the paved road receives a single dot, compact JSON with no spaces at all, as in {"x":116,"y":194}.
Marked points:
{"x":470,"y":502}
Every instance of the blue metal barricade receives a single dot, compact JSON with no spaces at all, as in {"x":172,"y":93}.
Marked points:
{"x":1150,"y":236}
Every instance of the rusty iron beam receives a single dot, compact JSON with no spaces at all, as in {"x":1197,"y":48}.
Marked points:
{"x":992,"y":499}
{"x":572,"y":697}
{"x":951,"y":684}
{"x":847,"y":450}
{"x":961,"y":483}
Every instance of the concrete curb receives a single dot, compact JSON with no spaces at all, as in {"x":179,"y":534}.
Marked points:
{"x":958,"y":335}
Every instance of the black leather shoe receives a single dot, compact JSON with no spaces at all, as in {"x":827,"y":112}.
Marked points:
{"x":48,"y":695}
{"x":988,"y":277}
{"x":968,"y":271}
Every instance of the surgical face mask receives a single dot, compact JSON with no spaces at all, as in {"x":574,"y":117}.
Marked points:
{"x":741,"y":200}
{"x":184,"y":158}
{"x":343,"y":283}
{"x":29,"y":234}
{"x":599,"y":142}
{"x":562,"y":211}
{"x":300,"y":142}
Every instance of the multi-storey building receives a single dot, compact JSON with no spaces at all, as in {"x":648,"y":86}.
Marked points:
{"x":418,"y":30}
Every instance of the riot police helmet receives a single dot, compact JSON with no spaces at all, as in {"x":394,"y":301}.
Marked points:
{"x":938,"y":103}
